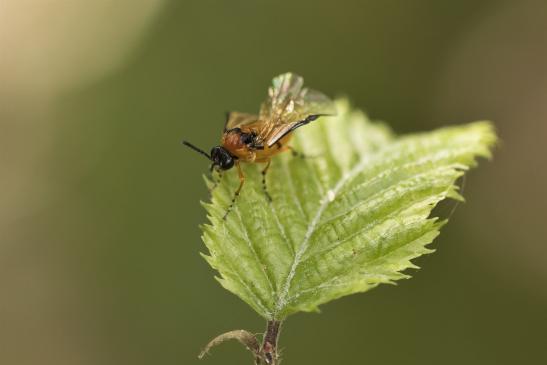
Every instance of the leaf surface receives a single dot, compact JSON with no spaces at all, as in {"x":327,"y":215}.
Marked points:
{"x":348,"y":218}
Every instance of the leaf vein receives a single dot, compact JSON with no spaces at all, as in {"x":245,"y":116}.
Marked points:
{"x":281,"y":301}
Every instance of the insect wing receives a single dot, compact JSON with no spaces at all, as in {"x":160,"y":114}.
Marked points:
{"x":290,"y":106}
{"x":238,"y":120}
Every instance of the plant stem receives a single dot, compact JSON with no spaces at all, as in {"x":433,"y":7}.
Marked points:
{"x":269,"y":345}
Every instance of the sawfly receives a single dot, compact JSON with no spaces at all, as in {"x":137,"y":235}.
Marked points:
{"x":254,"y":138}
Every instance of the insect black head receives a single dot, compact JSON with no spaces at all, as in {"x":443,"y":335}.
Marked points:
{"x":222,"y":158}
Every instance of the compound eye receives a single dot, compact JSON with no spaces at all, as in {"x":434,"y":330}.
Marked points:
{"x":227,"y":163}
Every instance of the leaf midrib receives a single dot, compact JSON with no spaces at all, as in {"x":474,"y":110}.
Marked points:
{"x":281,"y":300}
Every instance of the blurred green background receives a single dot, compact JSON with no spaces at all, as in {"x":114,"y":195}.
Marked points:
{"x":99,"y":236}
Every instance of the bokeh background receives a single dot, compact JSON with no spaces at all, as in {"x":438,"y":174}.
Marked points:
{"x":99,"y":212}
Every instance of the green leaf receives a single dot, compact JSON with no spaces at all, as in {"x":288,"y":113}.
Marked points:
{"x":346,"y":219}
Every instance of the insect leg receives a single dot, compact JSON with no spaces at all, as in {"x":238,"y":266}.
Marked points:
{"x":218,"y":180}
{"x":236,"y":194}
{"x":295,"y":153}
{"x":227,"y":120}
{"x":264,"y":180}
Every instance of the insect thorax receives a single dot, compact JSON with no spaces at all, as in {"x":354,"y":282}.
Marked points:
{"x":237,"y":138}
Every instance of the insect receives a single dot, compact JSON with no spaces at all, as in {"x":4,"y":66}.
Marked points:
{"x":257,"y":138}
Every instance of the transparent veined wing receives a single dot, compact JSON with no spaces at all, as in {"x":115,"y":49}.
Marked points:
{"x":289,"y":106}
{"x":238,"y":120}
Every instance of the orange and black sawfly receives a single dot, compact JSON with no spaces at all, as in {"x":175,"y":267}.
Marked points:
{"x":257,"y":138}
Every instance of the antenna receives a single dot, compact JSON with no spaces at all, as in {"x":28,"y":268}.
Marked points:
{"x":199,"y":150}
